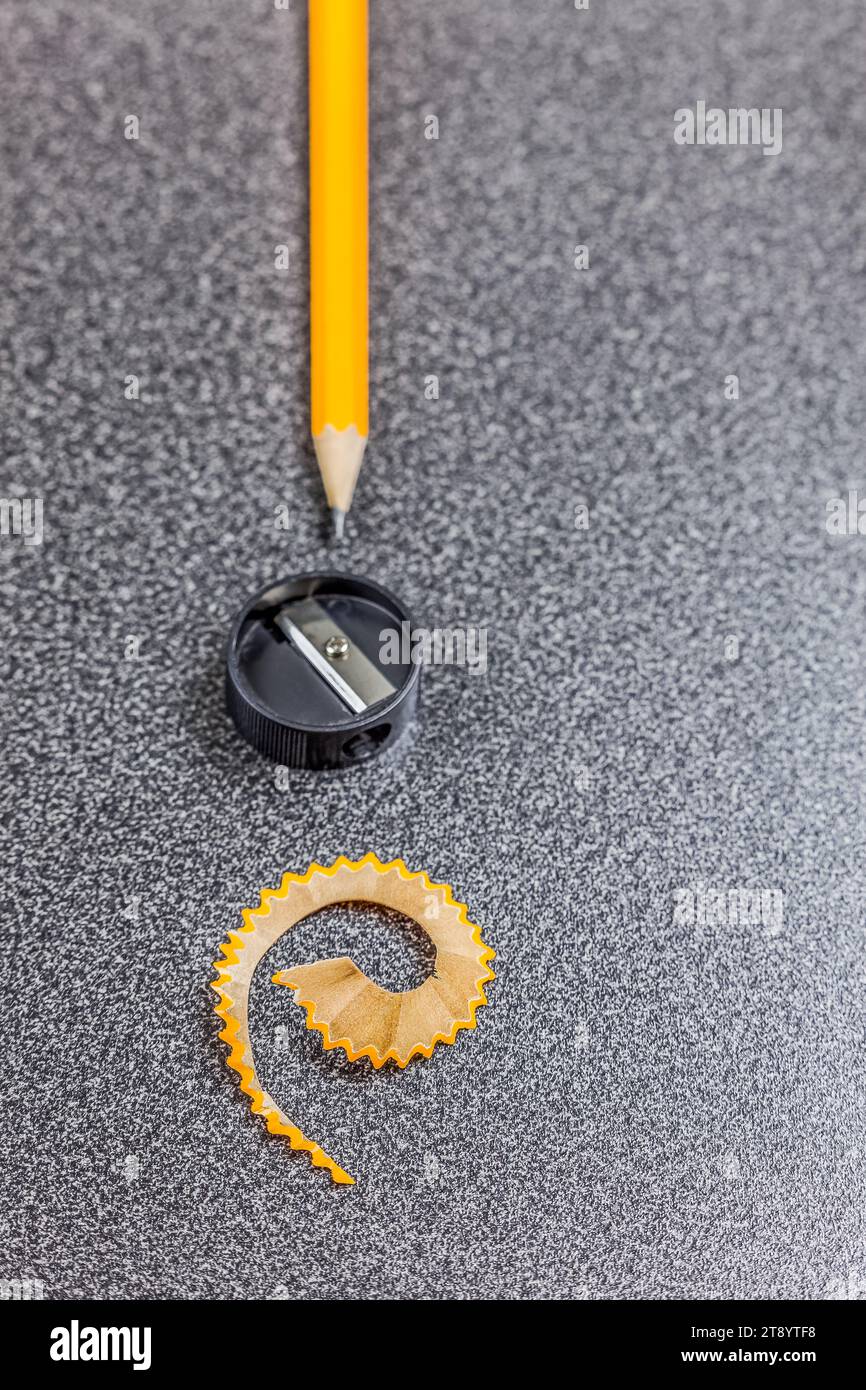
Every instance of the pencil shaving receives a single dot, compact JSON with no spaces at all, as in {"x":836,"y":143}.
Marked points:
{"x":349,"y":1010}
{"x":355,"y":1014}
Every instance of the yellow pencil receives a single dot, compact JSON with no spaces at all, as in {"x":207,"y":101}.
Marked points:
{"x":338,"y":245}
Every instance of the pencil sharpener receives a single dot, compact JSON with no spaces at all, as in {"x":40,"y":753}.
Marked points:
{"x":319,"y":672}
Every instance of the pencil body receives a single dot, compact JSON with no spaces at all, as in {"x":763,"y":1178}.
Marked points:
{"x":338,"y":242}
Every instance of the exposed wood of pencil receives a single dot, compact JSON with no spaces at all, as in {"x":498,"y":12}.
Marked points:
{"x":338,"y":243}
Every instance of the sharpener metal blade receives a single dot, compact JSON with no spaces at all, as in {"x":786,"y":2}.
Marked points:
{"x":352,"y":677}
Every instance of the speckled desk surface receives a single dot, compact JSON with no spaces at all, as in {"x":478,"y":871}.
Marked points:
{"x":649,"y":1108}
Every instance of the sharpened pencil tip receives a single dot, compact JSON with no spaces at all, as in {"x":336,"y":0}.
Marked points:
{"x":339,"y":519}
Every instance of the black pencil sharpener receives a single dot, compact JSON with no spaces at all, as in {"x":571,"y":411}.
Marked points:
{"x":319,"y":671}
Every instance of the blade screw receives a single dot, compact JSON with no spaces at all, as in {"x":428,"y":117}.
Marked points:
{"x":336,"y":648}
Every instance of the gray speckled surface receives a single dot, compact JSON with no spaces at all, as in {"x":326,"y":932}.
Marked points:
{"x":646,"y":1109}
